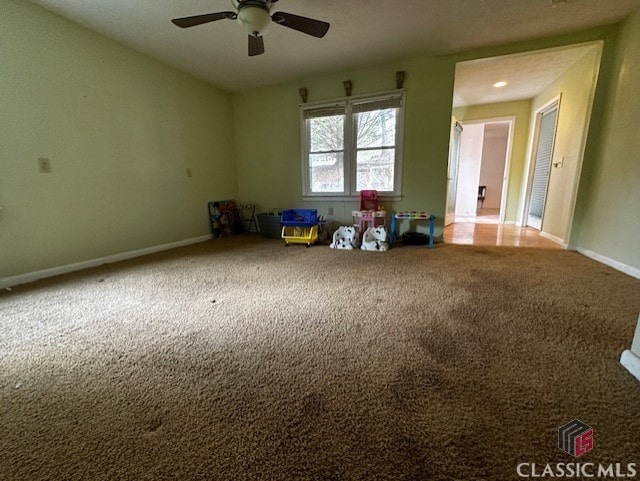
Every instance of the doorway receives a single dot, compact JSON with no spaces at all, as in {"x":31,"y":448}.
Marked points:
{"x":544,"y":141}
{"x":524,"y":86}
{"x":478,"y":171}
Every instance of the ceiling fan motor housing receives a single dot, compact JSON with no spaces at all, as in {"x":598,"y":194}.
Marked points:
{"x":254,"y":16}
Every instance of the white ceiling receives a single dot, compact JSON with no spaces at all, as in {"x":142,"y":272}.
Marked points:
{"x":526,"y":75}
{"x":362,"y":33}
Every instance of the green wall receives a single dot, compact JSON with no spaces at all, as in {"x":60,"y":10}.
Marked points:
{"x":575,"y":87}
{"x":609,"y":197}
{"x":521,"y":111}
{"x":268,"y":136}
{"x":635,"y":347}
{"x":268,"y":131}
{"x":120,"y":130}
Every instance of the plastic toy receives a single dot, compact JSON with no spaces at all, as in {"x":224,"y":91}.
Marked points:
{"x":375,"y":239}
{"x":300,"y":226}
{"x":415,"y":216}
{"x":345,"y":238}
{"x":371,"y":213}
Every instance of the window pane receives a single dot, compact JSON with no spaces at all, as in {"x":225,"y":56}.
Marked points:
{"x":376,"y":128}
{"x":326,"y":172}
{"x":375,"y":169}
{"x":327,"y":133}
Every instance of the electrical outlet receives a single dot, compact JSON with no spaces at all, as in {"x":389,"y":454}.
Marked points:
{"x":330,"y":211}
{"x":44,"y":165}
{"x":189,"y":174}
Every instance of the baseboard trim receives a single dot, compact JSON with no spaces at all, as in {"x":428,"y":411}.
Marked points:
{"x":553,"y":238}
{"x":56,"y":271}
{"x":632,"y":271}
{"x":631,"y":363}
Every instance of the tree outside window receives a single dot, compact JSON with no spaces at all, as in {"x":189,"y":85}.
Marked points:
{"x":353,"y":147}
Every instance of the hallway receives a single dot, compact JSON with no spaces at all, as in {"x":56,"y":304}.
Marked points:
{"x":496,"y":235}
{"x":483,"y":216}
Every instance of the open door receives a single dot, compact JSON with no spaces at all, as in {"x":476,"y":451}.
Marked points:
{"x":452,"y":172}
{"x":546,"y":122}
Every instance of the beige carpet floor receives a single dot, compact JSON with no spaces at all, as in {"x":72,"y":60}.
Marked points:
{"x":242,"y":359}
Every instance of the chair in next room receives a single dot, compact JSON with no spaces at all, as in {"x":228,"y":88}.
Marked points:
{"x":482,"y":194}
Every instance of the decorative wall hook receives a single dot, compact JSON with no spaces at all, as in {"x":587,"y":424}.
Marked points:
{"x":304,"y":94}
{"x":347,"y":87}
{"x":400,"y":75}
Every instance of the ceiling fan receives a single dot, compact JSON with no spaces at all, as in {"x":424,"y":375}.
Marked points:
{"x":256,"y":18}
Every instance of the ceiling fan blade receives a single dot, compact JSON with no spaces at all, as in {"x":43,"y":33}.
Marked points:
{"x":310,"y":26}
{"x":256,"y":46}
{"x":186,"y":22}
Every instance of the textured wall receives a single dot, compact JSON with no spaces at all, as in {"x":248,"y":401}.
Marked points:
{"x":120,"y":131}
{"x":609,"y":200}
{"x":635,"y":347}
{"x":268,"y":136}
{"x":576,"y":87}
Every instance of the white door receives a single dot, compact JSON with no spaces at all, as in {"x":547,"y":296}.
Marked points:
{"x":542,"y":167}
{"x":452,"y":173}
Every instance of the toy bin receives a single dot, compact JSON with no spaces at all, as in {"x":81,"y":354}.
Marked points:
{"x":300,"y":226}
{"x":300,"y":217}
{"x":300,"y":235}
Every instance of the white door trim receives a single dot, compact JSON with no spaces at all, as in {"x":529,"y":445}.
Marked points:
{"x":507,"y":170}
{"x":449,"y":218}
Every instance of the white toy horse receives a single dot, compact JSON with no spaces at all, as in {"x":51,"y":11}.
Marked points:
{"x":375,"y":239}
{"x":345,"y":238}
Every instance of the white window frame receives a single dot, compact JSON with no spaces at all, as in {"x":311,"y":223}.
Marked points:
{"x":350,"y":151}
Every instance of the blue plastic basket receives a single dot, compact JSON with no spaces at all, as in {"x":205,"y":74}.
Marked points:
{"x":300,"y":217}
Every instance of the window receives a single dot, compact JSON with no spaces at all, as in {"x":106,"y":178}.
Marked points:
{"x":353,"y":145}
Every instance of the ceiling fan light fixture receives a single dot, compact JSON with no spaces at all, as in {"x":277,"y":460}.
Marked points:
{"x":254,"y":19}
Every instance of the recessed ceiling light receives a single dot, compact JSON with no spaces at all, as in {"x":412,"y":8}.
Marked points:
{"x":500,"y":84}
